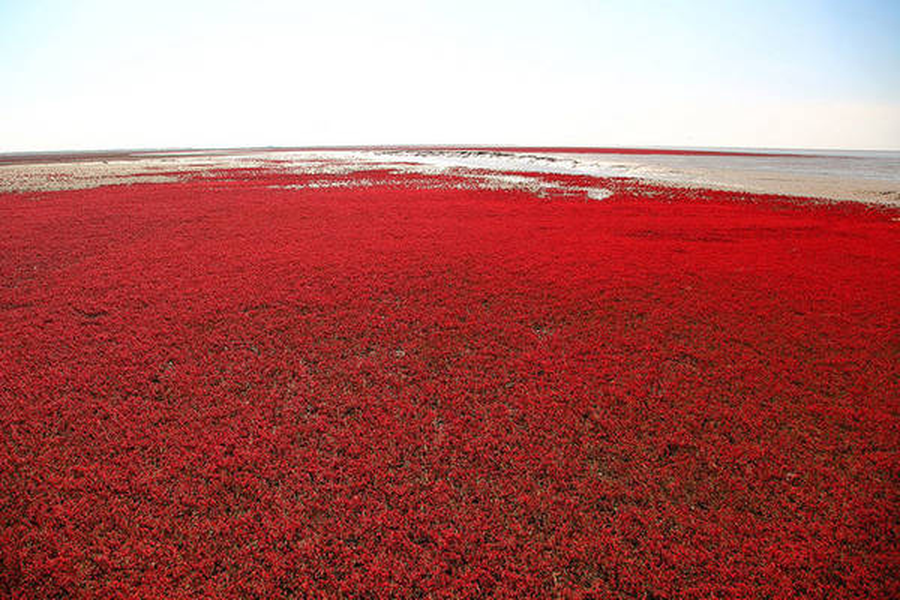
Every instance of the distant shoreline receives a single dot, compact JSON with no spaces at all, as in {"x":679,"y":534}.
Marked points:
{"x":53,"y":156}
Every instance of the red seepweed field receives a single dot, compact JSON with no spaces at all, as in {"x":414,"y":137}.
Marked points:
{"x":390,"y":385}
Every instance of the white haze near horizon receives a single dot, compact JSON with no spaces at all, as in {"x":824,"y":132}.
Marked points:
{"x":161,"y":74}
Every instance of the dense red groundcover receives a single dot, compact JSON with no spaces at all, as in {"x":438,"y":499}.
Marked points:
{"x":216,"y":388}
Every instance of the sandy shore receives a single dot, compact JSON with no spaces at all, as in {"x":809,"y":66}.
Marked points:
{"x":831,"y":178}
{"x":850,"y":178}
{"x":785,"y":184}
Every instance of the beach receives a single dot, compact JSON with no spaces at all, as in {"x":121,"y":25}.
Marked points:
{"x":872,"y":177}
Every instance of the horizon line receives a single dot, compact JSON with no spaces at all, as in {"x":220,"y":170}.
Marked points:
{"x":575,"y":148}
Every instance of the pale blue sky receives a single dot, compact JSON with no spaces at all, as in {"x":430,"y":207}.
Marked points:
{"x":104,"y":74}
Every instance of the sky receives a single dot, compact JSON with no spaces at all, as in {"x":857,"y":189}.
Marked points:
{"x":100,"y":74}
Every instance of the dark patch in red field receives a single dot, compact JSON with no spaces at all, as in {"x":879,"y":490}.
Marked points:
{"x":217,"y":388}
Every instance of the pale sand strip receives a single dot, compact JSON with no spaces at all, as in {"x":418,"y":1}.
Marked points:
{"x":786,"y":184}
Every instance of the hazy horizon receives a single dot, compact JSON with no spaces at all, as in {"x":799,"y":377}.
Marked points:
{"x":438,"y":147}
{"x":104,"y":76}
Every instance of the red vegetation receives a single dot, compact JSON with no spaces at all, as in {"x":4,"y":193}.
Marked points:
{"x":217,"y":388}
